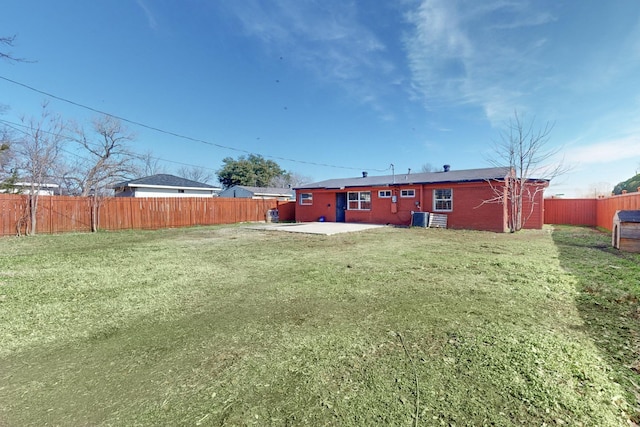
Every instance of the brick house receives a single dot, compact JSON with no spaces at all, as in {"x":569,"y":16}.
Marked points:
{"x":460,"y":195}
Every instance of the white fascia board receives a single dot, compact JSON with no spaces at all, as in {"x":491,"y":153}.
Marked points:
{"x":172,"y":187}
{"x":272,"y":195}
{"x":29,"y":184}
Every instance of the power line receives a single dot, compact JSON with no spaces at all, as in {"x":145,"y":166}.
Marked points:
{"x":174,"y":134}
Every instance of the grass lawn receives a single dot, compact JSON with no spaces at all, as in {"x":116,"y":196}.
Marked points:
{"x":231,"y":326}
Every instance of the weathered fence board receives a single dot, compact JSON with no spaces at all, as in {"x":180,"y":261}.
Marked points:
{"x":590,"y":212}
{"x":570,"y":211}
{"x":60,"y":214}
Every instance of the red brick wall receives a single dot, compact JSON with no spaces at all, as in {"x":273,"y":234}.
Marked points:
{"x":324,"y":204}
{"x":469,"y":211}
{"x":536,"y":220}
{"x":382,"y":210}
{"x":287,"y":211}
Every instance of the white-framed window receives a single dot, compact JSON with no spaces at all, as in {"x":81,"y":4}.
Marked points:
{"x":408,"y":193}
{"x":443,"y":199}
{"x":359,"y":200}
{"x":384,"y":194}
{"x":306,"y":198}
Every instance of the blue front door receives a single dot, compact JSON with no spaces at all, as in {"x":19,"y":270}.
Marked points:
{"x":341,"y":206}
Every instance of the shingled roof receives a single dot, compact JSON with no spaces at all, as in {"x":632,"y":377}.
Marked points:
{"x":468,"y":175}
{"x":628,"y":216}
{"x":267,"y":191}
{"x":164,"y":180}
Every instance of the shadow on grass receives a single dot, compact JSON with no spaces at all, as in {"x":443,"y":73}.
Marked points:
{"x":608,"y":285}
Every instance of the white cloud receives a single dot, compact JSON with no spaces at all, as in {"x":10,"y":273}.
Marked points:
{"x":465,"y":53}
{"x":606,"y":151}
{"x":151,"y":20}
{"x":326,"y":39}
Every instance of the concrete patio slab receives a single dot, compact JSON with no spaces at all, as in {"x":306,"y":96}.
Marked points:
{"x":325,"y":228}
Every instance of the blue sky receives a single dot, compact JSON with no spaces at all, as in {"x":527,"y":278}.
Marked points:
{"x":330,"y":88}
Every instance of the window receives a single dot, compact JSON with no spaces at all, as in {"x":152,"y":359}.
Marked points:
{"x":306,"y":198}
{"x":180,"y":191}
{"x":359,"y":200}
{"x":384,"y":193}
{"x":443,"y":199}
{"x":408,"y":193}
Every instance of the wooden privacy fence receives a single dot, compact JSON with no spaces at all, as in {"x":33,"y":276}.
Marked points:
{"x":591,"y":212}
{"x":60,"y":214}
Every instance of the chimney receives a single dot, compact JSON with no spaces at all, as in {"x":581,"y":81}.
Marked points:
{"x":364,"y":174}
{"x":446,"y":168}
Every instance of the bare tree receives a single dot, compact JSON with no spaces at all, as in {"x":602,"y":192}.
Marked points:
{"x":289,"y":180}
{"x":107,"y":160}
{"x":151,"y":165}
{"x":7,"y":41}
{"x":37,"y":154}
{"x":599,"y":189}
{"x":195,"y":173}
{"x":8,"y":173}
{"x":523,"y":150}
{"x":5,"y":152}
{"x":427,"y":167}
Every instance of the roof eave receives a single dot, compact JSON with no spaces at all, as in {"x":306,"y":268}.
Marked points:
{"x":398,"y":184}
{"x":170,"y":187}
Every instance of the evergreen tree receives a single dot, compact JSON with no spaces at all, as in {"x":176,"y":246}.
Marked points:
{"x":253,"y":170}
{"x":631,"y":185}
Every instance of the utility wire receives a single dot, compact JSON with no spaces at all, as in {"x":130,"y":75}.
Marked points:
{"x":12,"y":125}
{"x":177,"y":135}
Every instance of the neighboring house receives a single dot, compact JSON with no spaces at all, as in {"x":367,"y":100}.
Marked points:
{"x":460,"y":195}
{"x":25,"y":188}
{"x":245,"y":192}
{"x":164,"y":185}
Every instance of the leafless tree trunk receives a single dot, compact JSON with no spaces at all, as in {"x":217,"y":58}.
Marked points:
{"x":523,"y":150}
{"x":38,"y":155}
{"x":108,"y":160}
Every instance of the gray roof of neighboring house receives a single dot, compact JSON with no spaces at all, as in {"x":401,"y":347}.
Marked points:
{"x":413,"y":178}
{"x":265,"y":191}
{"x":628,"y":216}
{"x":164,"y":180}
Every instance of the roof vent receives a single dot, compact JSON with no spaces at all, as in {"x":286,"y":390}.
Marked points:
{"x":364,"y":174}
{"x":446,"y":168}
